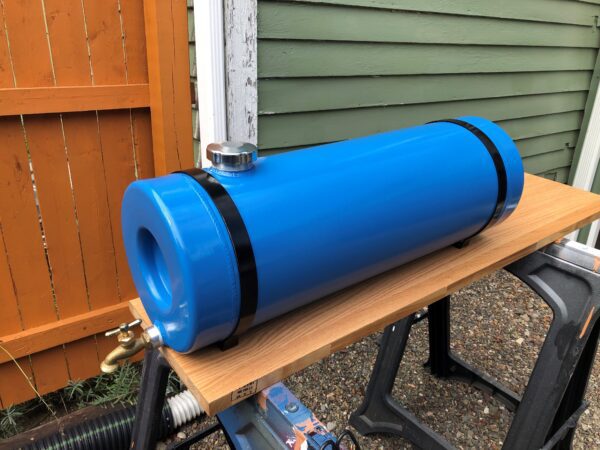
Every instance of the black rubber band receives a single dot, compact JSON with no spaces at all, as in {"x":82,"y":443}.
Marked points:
{"x":242,"y":247}
{"x":498,"y":164}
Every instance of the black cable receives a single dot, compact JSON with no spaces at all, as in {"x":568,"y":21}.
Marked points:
{"x":336,"y":445}
{"x":331,"y":442}
{"x":347,"y":433}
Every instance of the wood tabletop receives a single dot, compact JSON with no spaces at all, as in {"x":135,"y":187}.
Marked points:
{"x":275,"y":350}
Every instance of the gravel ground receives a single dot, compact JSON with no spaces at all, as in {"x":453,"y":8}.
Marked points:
{"x":498,"y":325}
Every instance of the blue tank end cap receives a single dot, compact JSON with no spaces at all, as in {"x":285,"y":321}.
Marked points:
{"x":511,"y":158}
{"x":181,"y":260}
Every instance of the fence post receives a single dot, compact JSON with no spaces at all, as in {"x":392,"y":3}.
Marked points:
{"x":169,"y":78}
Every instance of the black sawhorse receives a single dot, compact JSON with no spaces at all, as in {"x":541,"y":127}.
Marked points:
{"x":273,"y":419}
{"x":149,"y":408}
{"x":565,"y":275}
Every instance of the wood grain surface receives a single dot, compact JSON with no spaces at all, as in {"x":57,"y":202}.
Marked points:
{"x":75,"y":120}
{"x":62,"y":99}
{"x":74,"y":328}
{"x":275,"y":350}
{"x":168,"y":67}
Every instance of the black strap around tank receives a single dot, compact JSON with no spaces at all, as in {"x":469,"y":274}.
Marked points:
{"x":242,"y":247}
{"x":498,"y":164}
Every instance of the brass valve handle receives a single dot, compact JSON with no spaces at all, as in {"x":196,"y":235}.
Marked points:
{"x":129,"y":345}
{"x":123,"y":328}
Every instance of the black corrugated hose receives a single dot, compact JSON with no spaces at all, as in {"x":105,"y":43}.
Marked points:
{"x":111,"y":431}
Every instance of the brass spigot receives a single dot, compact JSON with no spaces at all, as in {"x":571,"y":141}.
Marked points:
{"x":129,"y":345}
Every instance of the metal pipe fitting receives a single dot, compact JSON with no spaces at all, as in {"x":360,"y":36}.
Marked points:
{"x":129,"y":345}
{"x":152,"y":335}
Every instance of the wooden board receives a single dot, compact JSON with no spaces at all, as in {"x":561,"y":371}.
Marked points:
{"x":53,"y":334}
{"x":62,"y":99}
{"x":275,"y":350}
{"x":168,"y":67}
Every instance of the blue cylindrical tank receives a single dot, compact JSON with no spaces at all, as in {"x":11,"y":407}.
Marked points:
{"x":318,"y":219}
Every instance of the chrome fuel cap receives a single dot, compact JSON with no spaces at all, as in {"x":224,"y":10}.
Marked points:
{"x":232,"y":156}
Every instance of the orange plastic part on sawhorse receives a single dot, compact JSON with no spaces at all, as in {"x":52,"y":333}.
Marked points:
{"x":275,"y":350}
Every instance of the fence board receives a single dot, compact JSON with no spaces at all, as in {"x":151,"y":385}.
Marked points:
{"x":13,"y":386}
{"x":77,"y":69}
{"x":143,"y":143}
{"x":70,"y":65}
{"x":9,"y":310}
{"x":12,"y":379}
{"x":49,"y":161}
{"x":66,"y":35}
{"x":72,"y":329}
{"x":35,"y":299}
{"x":89,"y":185}
{"x":167,"y":69}
{"x":72,"y":98}
{"x":123,"y":31}
{"x":108,"y":62}
{"x":24,"y":250}
{"x":105,"y":41}
{"x":73,"y":66}
{"x":117,"y":151}
{"x":132,"y":15}
{"x":30,"y":60}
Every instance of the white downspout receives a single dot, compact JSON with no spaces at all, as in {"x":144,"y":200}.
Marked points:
{"x":588,"y":164}
{"x":210,"y":60}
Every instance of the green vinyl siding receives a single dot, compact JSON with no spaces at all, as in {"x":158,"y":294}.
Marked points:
{"x":285,"y":130}
{"x":565,"y":12}
{"x":330,"y":70}
{"x":332,"y":23}
{"x":339,"y":59}
{"x":280,"y":95}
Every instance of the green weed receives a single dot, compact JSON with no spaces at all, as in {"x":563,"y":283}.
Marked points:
{"x":9,"y":420}
{"x":120,"y":387}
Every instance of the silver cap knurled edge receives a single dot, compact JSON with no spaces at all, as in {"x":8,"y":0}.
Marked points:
{"x":232,"y":156}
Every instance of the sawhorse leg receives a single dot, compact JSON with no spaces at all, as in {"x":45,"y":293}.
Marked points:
{"x":556,"y":388}
{"x":553,"y":400}
{"x":152,"y":414}
{"x":379,"y":412}
{"x":445,"y":364}
{"x":150,"y":401}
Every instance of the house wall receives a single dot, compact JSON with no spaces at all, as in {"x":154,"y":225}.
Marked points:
{"x":335,"y":69}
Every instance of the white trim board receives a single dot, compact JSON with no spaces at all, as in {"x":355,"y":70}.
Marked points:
{"x":588,"y":164}
{"x":241,"y":69}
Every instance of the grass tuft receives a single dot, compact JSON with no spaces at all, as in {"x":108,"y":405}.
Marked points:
{"x":119,"y":388}
{"x":9,"y":420}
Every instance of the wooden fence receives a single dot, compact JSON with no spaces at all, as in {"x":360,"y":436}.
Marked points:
{"x":93,"y":94}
